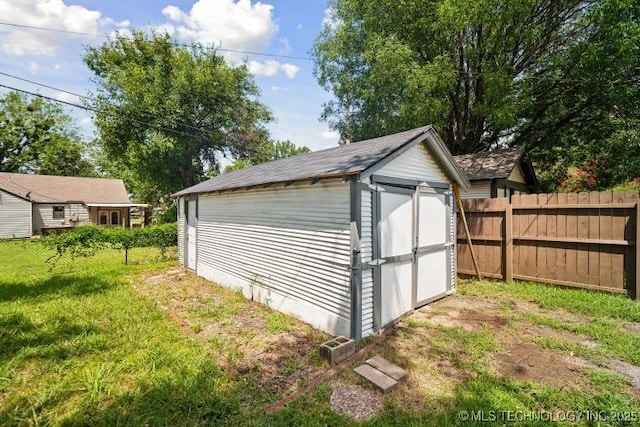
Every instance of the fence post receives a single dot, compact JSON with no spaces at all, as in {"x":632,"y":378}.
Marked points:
{"x":508,"y":243}
{"x":637,"y":248}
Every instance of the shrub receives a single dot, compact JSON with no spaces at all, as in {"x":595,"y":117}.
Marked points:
{"x":88,"y":239}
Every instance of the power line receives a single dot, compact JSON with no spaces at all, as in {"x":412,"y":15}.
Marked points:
{"x":104,"y":36}
{"x":83,"y":107}
{"x":82,"y":97}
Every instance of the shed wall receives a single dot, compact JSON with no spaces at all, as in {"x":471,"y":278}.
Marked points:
{"x":288,"y":247}
{"x":517,"y":175}
{"x":417,"y":163}
{"x":15,"y":216}
{"x":43,"y":216}
{"x":366,"y":242}
{"x":181,"y":223}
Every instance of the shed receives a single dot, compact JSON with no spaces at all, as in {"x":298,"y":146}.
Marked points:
{"x":498,"y":173}
{"x":348,"y":239}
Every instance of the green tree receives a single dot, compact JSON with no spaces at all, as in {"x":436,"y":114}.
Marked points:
{"x":38,"y":136}
{"x":267,"y":152}
{"x":166,"y":113}
{"x":484,"y":72}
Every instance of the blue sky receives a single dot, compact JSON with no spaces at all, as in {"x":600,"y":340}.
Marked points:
{"x":281,"y":27}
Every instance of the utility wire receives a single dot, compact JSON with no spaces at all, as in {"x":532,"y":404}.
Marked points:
{"x":82,"y":97}
{"x":104,"y":36}
{"x":71,"y":104}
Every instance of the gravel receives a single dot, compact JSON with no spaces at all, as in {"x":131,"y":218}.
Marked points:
{"x":356,"y":402}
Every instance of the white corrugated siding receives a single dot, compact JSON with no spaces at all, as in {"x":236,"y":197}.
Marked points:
{"x":453,"y":220}
{"x":292,"y":242}
{"x":366,"y":241}
{"x":15,"y":216}
{"x":417,"y":163}
{"x":43,"y":216}
{"x":517,"y":175}
{"x":478,"y":190}
{"x":181,"y":231}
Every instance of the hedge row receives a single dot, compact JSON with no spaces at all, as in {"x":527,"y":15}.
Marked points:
{"x":86,"y":240}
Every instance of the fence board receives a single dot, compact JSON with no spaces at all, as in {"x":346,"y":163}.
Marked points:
{"x":575,"y":239}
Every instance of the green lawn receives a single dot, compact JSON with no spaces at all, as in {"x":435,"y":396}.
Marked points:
{"x":93,"y":344}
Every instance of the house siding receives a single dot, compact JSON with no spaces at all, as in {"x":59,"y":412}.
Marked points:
{"x":15,"y":216}
{"x":478,"y":190}
{"x":286,"y":247}
{"x":416,"y":163}
{"x":43,"y":216}
{"x":181,"y":224}
{"x":517,"y":175}
{"x":366,"y":242}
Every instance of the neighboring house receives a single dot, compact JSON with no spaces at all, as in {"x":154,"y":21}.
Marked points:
{"x":498,"y":173}
{"x":32,"y":204}
{"x":348,"y":239}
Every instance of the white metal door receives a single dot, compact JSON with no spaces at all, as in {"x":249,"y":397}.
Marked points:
{"x":191,"y":234}
{"x":433,"y":229}
{"x":396,"y":251}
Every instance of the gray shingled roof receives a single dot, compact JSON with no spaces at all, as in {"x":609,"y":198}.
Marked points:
{"x":494,"y":164}
{"x":61,"y":189}
{"x":333,"y":162}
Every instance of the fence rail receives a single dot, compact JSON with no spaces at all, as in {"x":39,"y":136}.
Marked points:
{"x":586,"y":240}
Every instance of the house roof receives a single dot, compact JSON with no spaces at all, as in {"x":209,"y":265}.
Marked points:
{"x":494,"y":164}
{"x":62,"y":189}
{"x":335,"y":162}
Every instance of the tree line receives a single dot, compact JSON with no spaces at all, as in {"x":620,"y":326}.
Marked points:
{"x":560,"y":77}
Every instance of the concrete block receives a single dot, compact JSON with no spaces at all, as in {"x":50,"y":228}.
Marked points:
{"x":382,"y":381}
{"x":337,"y":349}
{"x":386,"y":367}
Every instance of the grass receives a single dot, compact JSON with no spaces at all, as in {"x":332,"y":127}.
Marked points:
{"x":84,"y":345}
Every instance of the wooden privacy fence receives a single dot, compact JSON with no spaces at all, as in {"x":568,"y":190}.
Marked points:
{"x":585,"y":240}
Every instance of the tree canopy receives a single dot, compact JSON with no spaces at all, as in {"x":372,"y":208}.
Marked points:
{"x":554,"y":75}
{"x":166,"y":112}
{"x":38,"y":136}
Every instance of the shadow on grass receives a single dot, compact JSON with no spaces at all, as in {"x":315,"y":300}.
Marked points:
{"x":54,"y":287}
{"x":52,"y":341}
{"x":207,"y":397}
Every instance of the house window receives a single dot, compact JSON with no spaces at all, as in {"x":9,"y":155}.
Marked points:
{"x":109,"y":217}
{"x":58,"y":212}
{"x":115,"y":217}
{"x":103,"y":218}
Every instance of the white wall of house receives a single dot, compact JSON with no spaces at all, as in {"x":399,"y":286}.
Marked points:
{"x":75,"y":214}
{"x":478,"y":190}
{"x":15,"y":216}
{"x":181,"y":232}
{"x":287,"y":247}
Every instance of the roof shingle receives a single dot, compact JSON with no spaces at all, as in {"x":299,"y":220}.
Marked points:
{"x":62,"y":189}
{"x":490,"y":164}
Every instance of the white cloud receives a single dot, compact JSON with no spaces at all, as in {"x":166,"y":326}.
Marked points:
{"x":299,"y":27}
{"x":264,"y":69}
{"x":271,"y":68}
{"x":48,"y":14}
{"x":329,"y":135}
{"x":329,"y":19}
{"x":237,"y":25}
{"x":33,"y":67}
{"x":67,"y":97}
{"x":290,"y":70}
{"x":286,"y":46}
{"x":279,"y":89}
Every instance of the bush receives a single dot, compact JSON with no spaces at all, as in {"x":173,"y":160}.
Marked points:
{"x":88,"y":239}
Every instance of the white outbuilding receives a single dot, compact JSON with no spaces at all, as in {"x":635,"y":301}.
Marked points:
{"x":348,"y":239}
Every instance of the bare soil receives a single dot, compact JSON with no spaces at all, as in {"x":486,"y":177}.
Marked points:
{"x":426,"y":344}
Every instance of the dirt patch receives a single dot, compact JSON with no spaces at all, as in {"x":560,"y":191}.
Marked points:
{"x":277,"y":357}
{"x":632,"y":372}
{"x":468,"y":319}
{"x":530,"y":362}
{"x":467,"y":302}
{"x":356,"y":402}
{"x":632,"y":327}
{"x":541,"y":331}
